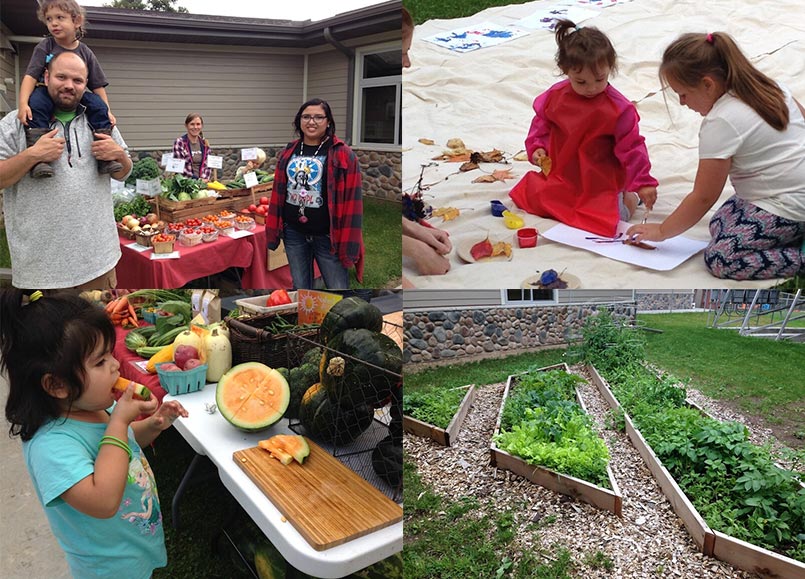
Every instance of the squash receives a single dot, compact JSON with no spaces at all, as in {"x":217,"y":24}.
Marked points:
{"x":330,"y":422}
{"x":252,"y":396}
{"x":387,"y":461}
{"x":191,"y":337}
{"x":219,"y":355}
{"x":286,"y":448}
{"x":299,"y":380}
{"x":164,"y":355}
{"x":350,"y":313}
{"x":350,"y":382}
{"x":269,"y":563}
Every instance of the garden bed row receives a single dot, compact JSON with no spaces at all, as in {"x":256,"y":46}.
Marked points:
{"x":739,"y":553}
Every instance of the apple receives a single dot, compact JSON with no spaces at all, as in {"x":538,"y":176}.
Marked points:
{"x":261,"y":210}
{"x":252,"y":208}
{"x":184,"y":353}
{"x":245,"y":211}
{"x":170,"y":367}
{"x":192,"y":363}
{"x":263,"y":200}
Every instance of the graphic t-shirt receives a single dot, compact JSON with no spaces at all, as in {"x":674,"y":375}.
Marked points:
{"x":131,"y":543}
{"x":305,"y":206}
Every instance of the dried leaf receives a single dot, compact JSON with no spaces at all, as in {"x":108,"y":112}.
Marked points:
{"x":482,"y":249}
{"x":427,"y":141}
{"x":454,"y":156}
{"x":455,"y":143}
{"x":502,"y":248}
{"x":497,"y":175}
{"x":493,"y":156}
{"x":459,"y":158}
{"x":521,"y":156}
{"x":468,"y":166}
{"x":545,"y":164}
{"x":446,"y":213}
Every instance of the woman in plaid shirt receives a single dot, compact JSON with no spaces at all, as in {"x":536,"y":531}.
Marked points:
{"x":193,"y":148}
{"x":316,"y":207}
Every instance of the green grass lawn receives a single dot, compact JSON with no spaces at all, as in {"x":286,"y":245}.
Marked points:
{"x":422,"y":10}
{"x":5,"y":256}
{"x":382,"y":236}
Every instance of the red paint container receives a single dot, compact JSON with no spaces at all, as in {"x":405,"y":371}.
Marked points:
{"x":527,"y":237}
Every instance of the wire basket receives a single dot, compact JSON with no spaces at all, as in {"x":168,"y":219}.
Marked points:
{"x":252,"y":342}
{"x":364,"y":431}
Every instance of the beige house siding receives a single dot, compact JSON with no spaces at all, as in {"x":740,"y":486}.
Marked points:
{"x":7,"y":92}
{"x":439,"y":299}
{"x":327,"y":79}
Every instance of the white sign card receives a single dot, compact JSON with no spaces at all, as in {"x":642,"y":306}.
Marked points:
{"x":215,"y":161}
{"x":149,"y":187}
{"x":175,"y":165}
{"x":238,"y":233}
{"x":249,"y":154}
{"x":165,"y":158}
{"x":137,"y":247}
{"x":250,"y":179}
{"x":667,"y":255}
{"x":118,"y":186}
{"x":171,"y":255}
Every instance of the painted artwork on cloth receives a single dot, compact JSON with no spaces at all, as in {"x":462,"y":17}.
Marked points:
{"x":477,"y":36}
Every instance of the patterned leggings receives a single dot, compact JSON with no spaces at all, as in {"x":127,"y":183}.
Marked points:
{"x":751,"y":243}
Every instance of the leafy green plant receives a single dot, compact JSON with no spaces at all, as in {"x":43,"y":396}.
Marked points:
{"x":608,"y":344}
{"x":434,"y":406}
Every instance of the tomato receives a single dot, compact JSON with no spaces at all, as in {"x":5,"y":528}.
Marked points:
{"x":252,"y":208}
{"x":278,"y":298}
{"x":263,"y":200}
{"x":245,"y":211}
{"x":261,"y":210}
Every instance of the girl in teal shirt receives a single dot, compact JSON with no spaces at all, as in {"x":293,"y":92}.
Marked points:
{"x":86,"y":462}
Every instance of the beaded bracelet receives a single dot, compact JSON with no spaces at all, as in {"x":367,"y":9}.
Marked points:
{"x":115,"y":442}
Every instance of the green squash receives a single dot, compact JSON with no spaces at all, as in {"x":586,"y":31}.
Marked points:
{"x":387,"y":459}
{"x":350,"y":313}
{"x":330,"y":422}
{"x":350,"y":382}
{"x":299,"y":380}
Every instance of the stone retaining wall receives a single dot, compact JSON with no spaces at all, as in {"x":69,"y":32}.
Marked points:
{"x":438,"y":335}
{"x":681,"y":300}
{"x":381,"y":170}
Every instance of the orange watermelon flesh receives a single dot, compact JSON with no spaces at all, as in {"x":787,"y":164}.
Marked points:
{"x":140,"y":391}
{"x":286,"y":447}
{"x":252,"y":396}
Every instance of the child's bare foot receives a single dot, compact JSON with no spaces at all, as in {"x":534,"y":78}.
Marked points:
{"x":630,"y":200}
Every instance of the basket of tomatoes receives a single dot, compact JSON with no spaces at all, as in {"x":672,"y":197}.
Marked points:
{"x":190,"y":236}
{"x":244,"y":222}
{"x":208,"y":233}
{"x":163,"y":242}
{"x":225,"y":227}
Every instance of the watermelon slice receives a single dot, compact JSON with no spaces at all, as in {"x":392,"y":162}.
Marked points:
{"x":252,"y":396}
{"x":286,"y":448}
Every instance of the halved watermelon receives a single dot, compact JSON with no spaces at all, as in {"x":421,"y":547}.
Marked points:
{"x":286,"y":447}
{"x":252,"y":396}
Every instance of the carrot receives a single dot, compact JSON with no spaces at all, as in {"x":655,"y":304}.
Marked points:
{"x":110,"y":306}
{"x":121,"y":305}
{"x":132,"y":313}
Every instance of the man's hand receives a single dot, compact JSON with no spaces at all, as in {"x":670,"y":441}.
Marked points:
{"x":104,"y":148}
{"x":48,"y":148}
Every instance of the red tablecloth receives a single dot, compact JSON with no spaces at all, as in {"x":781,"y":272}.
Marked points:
{"x":137,"y":270}
{"x":128,"y":370}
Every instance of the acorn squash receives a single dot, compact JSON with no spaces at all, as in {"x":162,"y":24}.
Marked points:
{"x":330,"y":422}
{"x":350,"y":313}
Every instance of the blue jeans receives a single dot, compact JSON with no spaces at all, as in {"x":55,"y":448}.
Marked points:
{"x":301,"y":249}
{"x":41,"y":106}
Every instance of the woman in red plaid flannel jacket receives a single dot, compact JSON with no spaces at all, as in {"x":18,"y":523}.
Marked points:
{"x":316,"y":206}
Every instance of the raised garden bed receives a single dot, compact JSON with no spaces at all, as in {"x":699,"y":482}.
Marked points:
{"x":736,"y":552}
{"x":608,"y":499}
{"x":442,"y":435}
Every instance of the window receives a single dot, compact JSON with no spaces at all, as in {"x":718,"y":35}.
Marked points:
{"x":379,"y":84}
{"x":529,"y":295}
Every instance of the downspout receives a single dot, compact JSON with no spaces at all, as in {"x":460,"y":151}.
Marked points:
{"x":350,"y":54}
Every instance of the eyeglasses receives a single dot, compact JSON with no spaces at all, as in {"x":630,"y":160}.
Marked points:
{"x":316,"y":118}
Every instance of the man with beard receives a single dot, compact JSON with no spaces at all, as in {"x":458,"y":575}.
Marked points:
{"x":61,"y":231}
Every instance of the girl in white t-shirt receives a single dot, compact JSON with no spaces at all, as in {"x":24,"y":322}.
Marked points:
{"x":754,"y":132}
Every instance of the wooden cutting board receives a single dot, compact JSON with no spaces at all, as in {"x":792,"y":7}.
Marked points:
{"x":325,"y":501}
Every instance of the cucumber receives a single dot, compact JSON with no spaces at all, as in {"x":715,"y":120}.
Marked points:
{"x":148,"y":351}
{"x":168,"y":337}
{"x":147,"y":331}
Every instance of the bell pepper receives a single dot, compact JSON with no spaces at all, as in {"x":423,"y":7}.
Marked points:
{"x":278,"y":297}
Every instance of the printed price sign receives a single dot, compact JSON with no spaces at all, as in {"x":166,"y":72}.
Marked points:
{"x":175,"y":165}
{"x":248,"y":154}
{"x":149,"y":187}
{"x":165,"y":158}
{"x":215,"y":162}
{"x":250,"y":178}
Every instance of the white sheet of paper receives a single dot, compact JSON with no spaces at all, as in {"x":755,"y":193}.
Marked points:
{"x":668,"y":255}
{"x":238,"y":233}
{"x":215,"y":161}
{"x":172,"y":255}
{"x":149,"y":187}
{"x":165,"y":158}
{"x":137,"y":247}
{"x":175,"y":165}
{"x":472,"y":38}
{"x":546,"y":18}
{"x":248,"y":154}
{"x":250,"y":179}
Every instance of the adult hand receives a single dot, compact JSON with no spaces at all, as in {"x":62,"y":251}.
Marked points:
{"x":538,"y":154}
{"x":104,"y":148}
{"x":48,"y":148}
{"x":648,"y":195}
{"x":646,"y":232}
{"x":24,"y":115}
